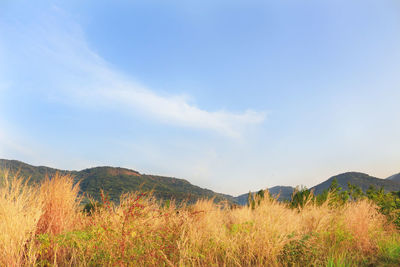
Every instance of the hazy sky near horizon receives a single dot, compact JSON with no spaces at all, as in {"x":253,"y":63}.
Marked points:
{"x":230,"y":95}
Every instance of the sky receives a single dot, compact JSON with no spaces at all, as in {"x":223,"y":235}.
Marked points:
{"x":231,"y":95}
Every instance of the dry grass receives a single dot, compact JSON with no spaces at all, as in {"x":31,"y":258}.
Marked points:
{"x":44,"y":226}
{"x":20,"y":212}
{"x":275,"y":235}
{"x":27,"y":212}
{"x":59,"y":197}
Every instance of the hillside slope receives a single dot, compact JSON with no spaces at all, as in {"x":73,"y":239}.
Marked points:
{"x":395,"y":177}
{"x":357,"y":178}
{"x":35,"y":173}
{"x":284,"y":192}
{"x":115,"y":181}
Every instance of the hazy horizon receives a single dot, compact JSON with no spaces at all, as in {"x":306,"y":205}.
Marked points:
{"x":231,"y":96}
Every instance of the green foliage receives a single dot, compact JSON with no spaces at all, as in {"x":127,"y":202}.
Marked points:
{"x":301,"y":196}
{"x":300,"y":251}
{"x":355,"y":192}
{"x":388,"y":203}
{"x":339,"y":262}
{"x":250,"y":201}
{"x":389,"y":252}
{"x":337,"y":195}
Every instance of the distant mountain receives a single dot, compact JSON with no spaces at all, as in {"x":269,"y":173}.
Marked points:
{"x":360,"y":179}
{"x":36,"y":174}
{"x":364,"y":181}
{"x":115,"y":181}
{"x":284,"y":192}
{"x":395,"y":177}
{"x":242,"y":199}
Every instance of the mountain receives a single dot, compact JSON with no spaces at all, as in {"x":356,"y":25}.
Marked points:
{"x":284,"y":192}
{"x":360,"y":179}
{"x":36,"y":174}
{"x":395,"y":177}
{"x":364,"y":181}
{"x":115,"y":181}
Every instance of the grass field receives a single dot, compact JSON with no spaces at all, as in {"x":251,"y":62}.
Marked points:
{"x":45,"y":226}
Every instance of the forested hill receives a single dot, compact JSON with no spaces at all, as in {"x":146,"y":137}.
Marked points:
{"x":362,"y":180}
{"x":34,"y":173}
{"x":115,"y":181}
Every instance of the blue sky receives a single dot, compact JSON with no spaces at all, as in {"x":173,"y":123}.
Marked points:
{"x":230,"y":95}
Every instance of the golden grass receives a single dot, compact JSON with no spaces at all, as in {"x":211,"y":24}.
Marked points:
{"x":20,"y":211}
{"x":45,"y":226}
{"x":260,"y":237}
{"x":59,"y":197}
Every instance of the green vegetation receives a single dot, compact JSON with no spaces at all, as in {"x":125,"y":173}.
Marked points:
{"x":117,"y":181}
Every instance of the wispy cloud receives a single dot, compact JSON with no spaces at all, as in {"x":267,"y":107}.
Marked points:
{"x":65,"y":66}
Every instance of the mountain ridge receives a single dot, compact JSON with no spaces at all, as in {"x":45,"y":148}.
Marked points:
{"x":115,"y":181}
{"x":363,"y":180}
{"x":395,"y":177}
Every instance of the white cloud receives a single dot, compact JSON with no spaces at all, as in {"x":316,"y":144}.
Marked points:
{"x":68,"y":69}
{"x":176,"y":110}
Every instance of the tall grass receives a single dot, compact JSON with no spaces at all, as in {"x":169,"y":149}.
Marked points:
{"x":45,"y":226}
{"x":20,"y":211}
{"x":59,"y":197}
{"x":27,"y":212}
